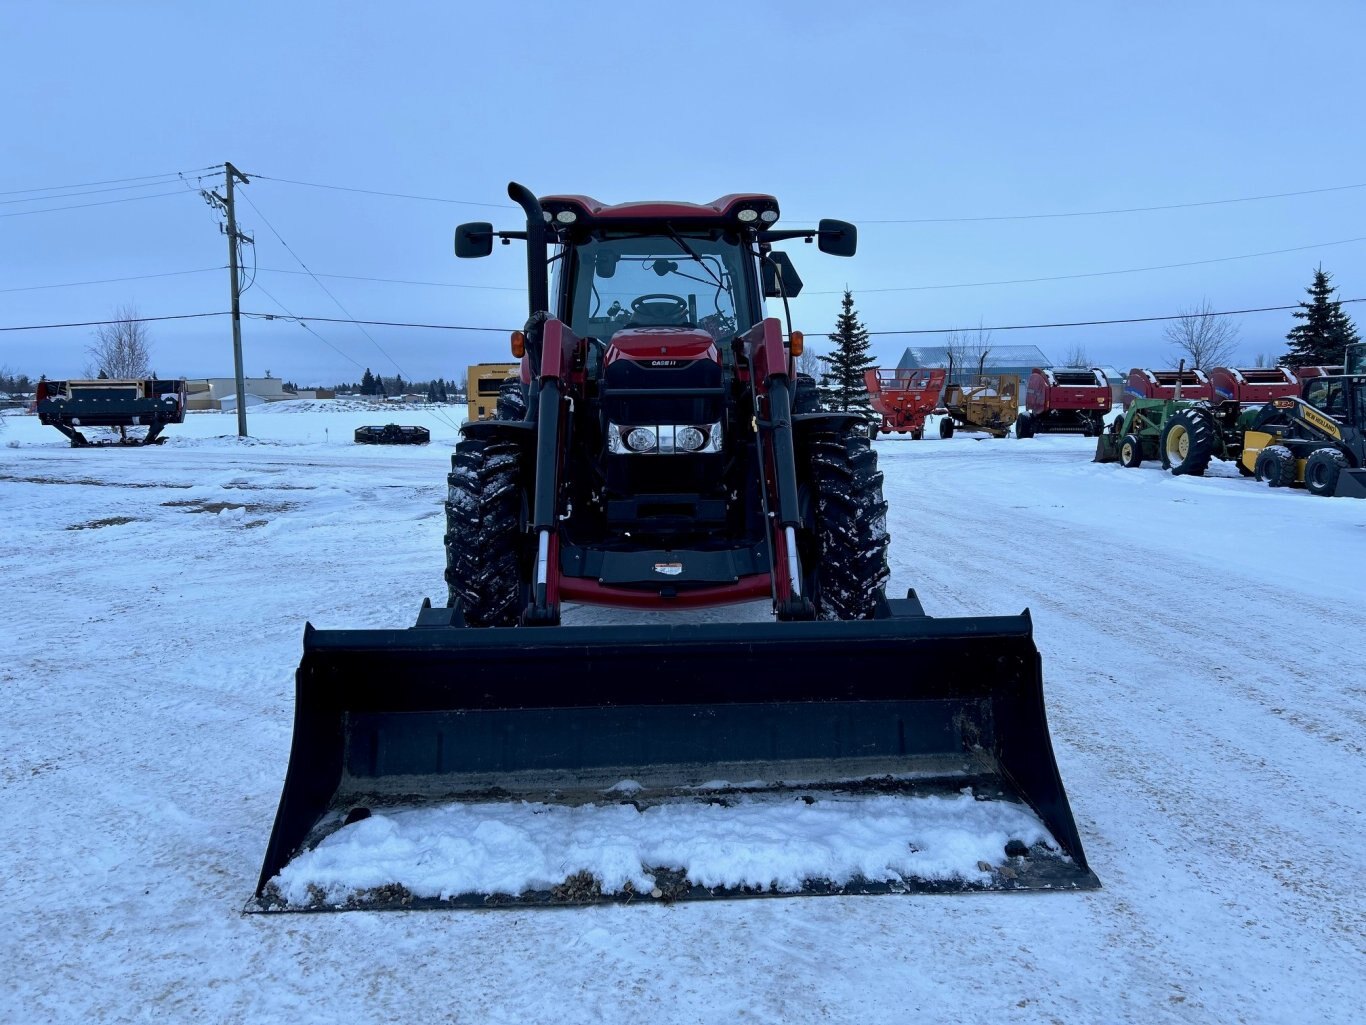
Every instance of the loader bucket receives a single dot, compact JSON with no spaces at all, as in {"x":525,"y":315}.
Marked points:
{"x":1107,"y":448}
{"x":503,"y":736}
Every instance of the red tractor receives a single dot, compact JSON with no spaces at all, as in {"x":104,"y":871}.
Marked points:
{"x":663,"y":452}
{"x":904,"y":398}
{"x":660,"y":451}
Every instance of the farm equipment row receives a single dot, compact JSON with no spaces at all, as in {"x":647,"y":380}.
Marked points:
{"x":1271,"y":424}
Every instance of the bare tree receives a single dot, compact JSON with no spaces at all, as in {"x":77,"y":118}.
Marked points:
{"x":809,"y":363}
{"x":1263,"y":360}
{"x":122,"y":348}
{"x":1077,"y":356}
{"x":955,"y":353}
{"x":1202,"y":337}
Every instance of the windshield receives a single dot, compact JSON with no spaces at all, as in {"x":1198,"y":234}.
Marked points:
{"x":657,"y":281}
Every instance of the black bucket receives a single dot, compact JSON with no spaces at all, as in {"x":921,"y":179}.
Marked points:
{"x":906,"y":705}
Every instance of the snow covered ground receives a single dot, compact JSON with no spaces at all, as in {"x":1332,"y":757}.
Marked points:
{"x":1203,"y":643}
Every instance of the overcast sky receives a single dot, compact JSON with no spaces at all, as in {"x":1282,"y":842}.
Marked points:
{"x":864,"y":112}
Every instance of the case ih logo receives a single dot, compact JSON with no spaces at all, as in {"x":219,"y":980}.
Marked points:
{"x":663,"y":362}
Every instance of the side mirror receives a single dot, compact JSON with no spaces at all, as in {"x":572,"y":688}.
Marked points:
{"x":770,"y":269}
{"x":474,"y":240}
{"x":838,"y":238}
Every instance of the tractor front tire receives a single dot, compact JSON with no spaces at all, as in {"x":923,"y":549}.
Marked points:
{"x":1131,"y":451}
{"x":1322,"y":470}
{"x":1187,"y":443}
{"x":485,"y":515}
{"x":847,"y":559}
{"x":1276,"y":466}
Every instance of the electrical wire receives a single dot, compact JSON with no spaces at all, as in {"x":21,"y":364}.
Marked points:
{"x":377,"y":192}
{"x":92,"y":192}
{"x":82,"y":206}
{"x":108,"y":181}
{"x":907,"y":220}
{"x":315,"y":334}
{"x":120,"y":320}
{"x":1110,"y":212}
{"x":319,"y":283}
{"x":1102,"y":273}
{"x":106,"y":281}
{"x":399,"y":281}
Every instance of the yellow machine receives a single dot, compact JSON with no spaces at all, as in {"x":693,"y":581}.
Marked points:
{"x":1317,"y":440}
{"x":990,"y":404}
{"x":485,"y":381}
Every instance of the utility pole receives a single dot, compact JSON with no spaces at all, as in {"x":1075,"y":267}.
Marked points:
{"x":233,"y":239}
{"x":224,"y":204}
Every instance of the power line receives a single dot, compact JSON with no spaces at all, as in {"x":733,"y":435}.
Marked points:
{"x":309,"y":329}
{"x":908,"y":220}
{"x":501,"y":330}
{"x":1098,"y":323}
{"x":108,"y":181}
{"x":319,"y":283}
{"x":393,"y":195}
{"x":106,"y":281}
{"x":81,"y":206}
{"x":120,"y":320}
{"x":399,"y":281}
{"x":1103,"y":273}
{"x":92,"y":192}
{"x":1109,"y":212}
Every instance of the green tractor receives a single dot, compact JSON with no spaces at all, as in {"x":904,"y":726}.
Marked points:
{"x":1184,"y":434}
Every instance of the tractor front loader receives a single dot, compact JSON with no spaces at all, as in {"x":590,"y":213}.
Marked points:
{"x":661,"y":452}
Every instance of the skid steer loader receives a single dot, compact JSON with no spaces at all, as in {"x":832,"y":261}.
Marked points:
{"x":660,"y":452}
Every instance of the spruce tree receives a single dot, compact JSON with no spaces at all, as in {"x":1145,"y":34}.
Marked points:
{"x":398,"y":385}
{"x":1323,"y":337}
{"x":842,"y":385}
{"x":367,"y":383}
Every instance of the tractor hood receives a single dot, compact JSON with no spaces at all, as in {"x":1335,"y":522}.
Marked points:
{"x":662,"y":346}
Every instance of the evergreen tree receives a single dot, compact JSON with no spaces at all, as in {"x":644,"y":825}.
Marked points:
{"x":379,"y":386}
{"x":441,"y":389}
{"x":842,"y":384}
{"x":367,"y":383}
{"x":398,"y":385}
{"x":1325,"y":332}
{"x":431,"y":391}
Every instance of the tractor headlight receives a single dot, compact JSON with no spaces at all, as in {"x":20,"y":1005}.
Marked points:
{"x":689,"y":439}
{"x":566,"y":217}
{"x":642,"y":439}
{"x":769,"y":216}
{"x":748,"y":215}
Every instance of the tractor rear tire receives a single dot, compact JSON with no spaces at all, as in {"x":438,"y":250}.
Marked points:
{"x":805,"y":397}
{"x":1276,"y":466}
{"x":1187,"y":442}
{"x":1131,"y":451}
{"x":511,"y":400}
{"x":946,"y":427}
{"x":485,"y":516}
{"x":1322,"y":470}
{"x":847,"y":558}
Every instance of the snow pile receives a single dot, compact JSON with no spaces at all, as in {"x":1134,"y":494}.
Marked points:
{"x":761,"y":842}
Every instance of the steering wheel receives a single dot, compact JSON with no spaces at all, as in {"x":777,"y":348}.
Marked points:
{"x":680,"y":305}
